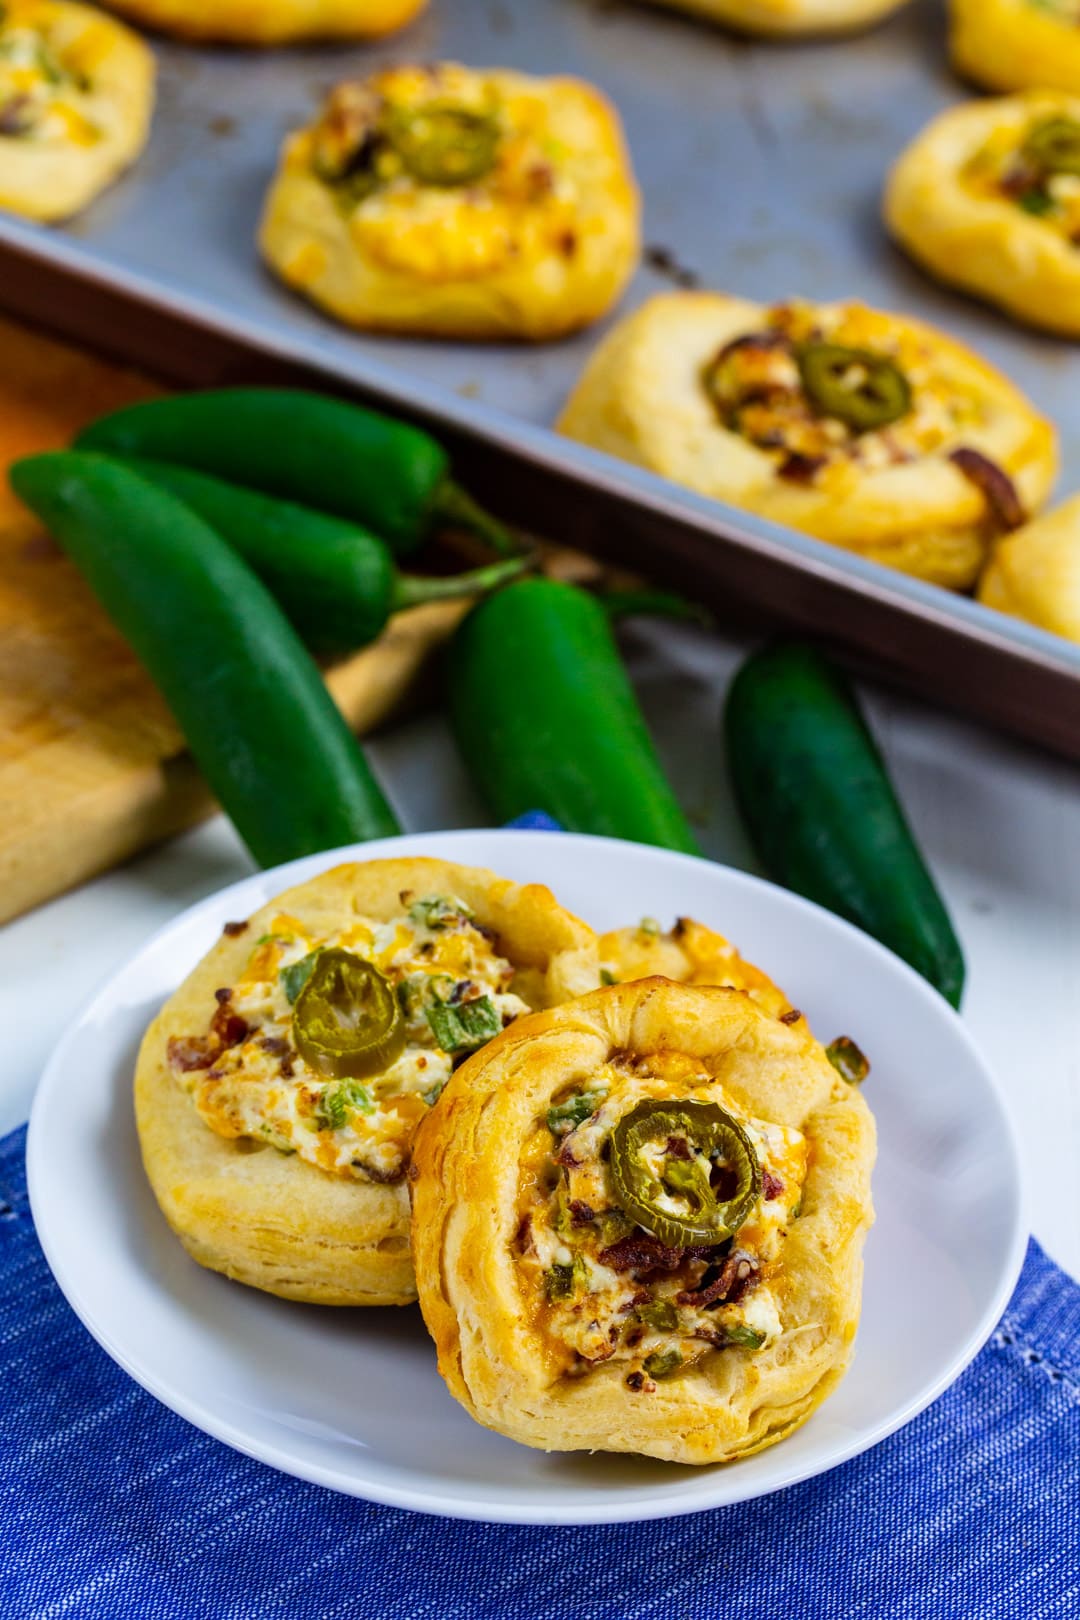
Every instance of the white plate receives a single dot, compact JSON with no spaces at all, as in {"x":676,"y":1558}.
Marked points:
{"x":352,"y":1400}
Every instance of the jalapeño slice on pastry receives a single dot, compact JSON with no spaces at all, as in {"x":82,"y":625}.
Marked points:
{"x":278,"y":1091}
{"x":638,"y":1223}
{"x":789,"y":17}
{"x":1017,"y":44}
{"x":869,"y":430}
{"x":457,"y":202}
{"x":987,"y":198}
{"x":76,"y":95}
{"x":270,"y":22}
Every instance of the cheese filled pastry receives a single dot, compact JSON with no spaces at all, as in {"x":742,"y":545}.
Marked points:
{"x":270,"y":22}
{"x":1017,"y":44}
{"x":869,"y":430}
{"x":638,"y":1224}
{"x":448,"y":201}
{"x":789,"y":17}
{"x":988,"y":199}
{"x":76,"y":98}
{"x":278,"y":1091}
{"x":1034,"y":574}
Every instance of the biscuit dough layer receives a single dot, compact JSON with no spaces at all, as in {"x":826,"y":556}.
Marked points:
{"x":273,"y":1218}
{"x":537,"y":1360}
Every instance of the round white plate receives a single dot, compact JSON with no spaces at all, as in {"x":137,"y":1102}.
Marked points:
{"x":351,"y":1399}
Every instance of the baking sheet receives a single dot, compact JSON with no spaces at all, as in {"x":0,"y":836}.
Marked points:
{"x":761,"y":167}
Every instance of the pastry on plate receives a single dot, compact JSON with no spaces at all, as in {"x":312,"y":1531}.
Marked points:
{"x":76,"y":97}
{"x":453,"y":202}
{"x":988,"y":199}
{"x":278,"y":1091}
{"x":270,"y":22}
{"x":790,"y":17}
{"x":689,"y":953}
{"x":1034,"y":574}
{"x":638,"y":1223}
{"x":1017,"y":44}
{"x":872,"y":431}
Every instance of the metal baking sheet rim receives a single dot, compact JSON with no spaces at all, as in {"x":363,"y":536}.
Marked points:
{"x":1039,"y":658}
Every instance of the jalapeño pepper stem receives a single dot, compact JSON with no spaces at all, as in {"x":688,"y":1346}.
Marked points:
{"x":452,"y":507}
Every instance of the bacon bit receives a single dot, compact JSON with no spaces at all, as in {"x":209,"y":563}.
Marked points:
{"x":276,"y":1045}
{"x":581,"y":1214}
{"x":1018,"y":178}
{"x":189,"y":1052}
{"x":792,"y":1016}
{"x":640,"y":1297}
{"x":222,"y":996}
{"x":641,"y":1252}
{"x":771,"y":1186}
{"x":385,"y":1178}
{"x":229,"y":1028}
{"x":565,"y":1156}
{"x":998,"y":489}
{"x":233,"y":929}
{"x":635,"y":1381}
{"x":523,"y":1237}
{"x":738,"y":1275}
{"x":799,"y":469}
{"x":678,"y":1148}
{"x":567,"y":244}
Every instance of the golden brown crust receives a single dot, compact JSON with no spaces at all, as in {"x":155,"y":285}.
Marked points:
{"x":465,"y":1203}
{"x":270,"y":22}
{"x":690,"y":953}
{"x":53,"y":176}
{"x":983,"y":243}
{"x":276,"y":1222}
{"x":790,"y":18}
{"x":550,"y":281}
{"x":641,"y":398}
{"x":1014,"y":45}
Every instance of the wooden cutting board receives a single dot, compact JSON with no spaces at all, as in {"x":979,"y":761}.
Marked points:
{"x":92,"y":767}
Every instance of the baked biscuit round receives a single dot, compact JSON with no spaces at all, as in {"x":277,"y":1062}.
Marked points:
{"x":690,"y":953}
{"x":790,"y":17}
{"x":979,"y":199}
{"x":76,"y":98}
{"x":270,"y":22}
{"x":1017,"y":44}
{"x":563,"y":1320}
{"x":1034,"y":574}
{"x":287,"y":1178}
{"x":872,"y":431}
{"x":453,"y":202}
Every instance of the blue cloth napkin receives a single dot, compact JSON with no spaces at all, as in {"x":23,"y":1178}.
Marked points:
{"x":114,"y":1507}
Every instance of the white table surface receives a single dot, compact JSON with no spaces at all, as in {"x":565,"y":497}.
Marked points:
{"x":999,"y":822}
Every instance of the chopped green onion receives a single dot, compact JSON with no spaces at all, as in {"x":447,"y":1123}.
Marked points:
{"x":662,"y":1363}
{"x":649,"y":925}
{"x":564,"y":1117}
{"x":296,"y":975}
{"x":339,"y":1100}
{"x":464,"y":1027}
{"x":850,"y":1064}
{"x":1036,"y":202}
{"x":607,"y":977}
{"x":659,"y":1314}
{"x":559,"y":1282}
{"x":437,"y":911}
{"x":748,"y":1336}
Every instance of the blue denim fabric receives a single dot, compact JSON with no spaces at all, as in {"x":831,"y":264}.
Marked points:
{"x":114,"y":1507}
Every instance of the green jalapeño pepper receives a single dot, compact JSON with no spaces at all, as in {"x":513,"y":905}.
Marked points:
{"x":347,"y":1022}
{"x":1054,"y":146}
{"x":444,"y":145}
{"x":856,"y":386}
{"x":656,"y":1153}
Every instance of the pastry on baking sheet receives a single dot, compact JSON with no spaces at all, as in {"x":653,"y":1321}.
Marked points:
{"x":791,"y":17}
{"x":270,"y":22}
{"x":278,"y":1090}
{"x":1017,"y":44}
{"x":689,"y":953}
{"x":988,"y":199}
{"x":448,"y":201}
{"x":1034,"y":574}
{"x":76,"y":97}
{"x":872,"y":431}
{"x":638,"y":1223}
